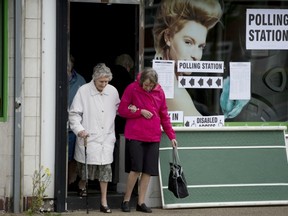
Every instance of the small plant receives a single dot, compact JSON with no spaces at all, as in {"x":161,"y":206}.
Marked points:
{"x":40,"y":181}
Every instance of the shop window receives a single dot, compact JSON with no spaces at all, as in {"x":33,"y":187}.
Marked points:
{"x":226,"y":42}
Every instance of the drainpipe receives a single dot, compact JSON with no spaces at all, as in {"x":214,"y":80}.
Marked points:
{"x":17,"y":105}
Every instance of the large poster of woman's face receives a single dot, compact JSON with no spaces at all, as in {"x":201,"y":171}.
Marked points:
{"x":212,"y":30}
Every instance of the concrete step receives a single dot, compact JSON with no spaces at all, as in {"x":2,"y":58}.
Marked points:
{"x":114,"y":199}
{"x":74,"y":202}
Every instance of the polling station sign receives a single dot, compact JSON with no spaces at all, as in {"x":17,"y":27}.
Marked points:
{"x":267,"y":29}
{"x":200,"y":66}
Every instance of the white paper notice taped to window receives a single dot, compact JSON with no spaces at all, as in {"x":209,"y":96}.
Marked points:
{"x":240,"y":81}
{"x":165,"y":71}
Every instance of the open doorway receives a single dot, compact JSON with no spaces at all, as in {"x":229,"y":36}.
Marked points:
{"x":99,"y":32}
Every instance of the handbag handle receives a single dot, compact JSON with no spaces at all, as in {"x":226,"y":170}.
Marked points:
{"x":175,"y":156}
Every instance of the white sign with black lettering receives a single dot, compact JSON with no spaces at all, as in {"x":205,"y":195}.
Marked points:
{"x":205,"y":82}
{"x":204,"y":121}
{"x":267,"y":29}
{"x":176,"y":116}
{"x":200,"y":66}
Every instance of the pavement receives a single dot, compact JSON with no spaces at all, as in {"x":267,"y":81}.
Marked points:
{"x":221,"y":211}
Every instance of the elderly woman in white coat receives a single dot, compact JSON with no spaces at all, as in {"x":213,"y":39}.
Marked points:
{"x":92,"y":116}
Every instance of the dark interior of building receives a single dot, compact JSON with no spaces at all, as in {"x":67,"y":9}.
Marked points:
{"x":101,"y":32}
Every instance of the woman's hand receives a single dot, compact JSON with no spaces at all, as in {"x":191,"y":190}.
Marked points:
{"x":133,"y":108}
{"x":147,"y":114}
{"x":83,"y":134}
{"x":174,"y":143}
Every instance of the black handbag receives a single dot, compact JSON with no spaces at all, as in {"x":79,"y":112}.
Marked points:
{"x":176,"y":182}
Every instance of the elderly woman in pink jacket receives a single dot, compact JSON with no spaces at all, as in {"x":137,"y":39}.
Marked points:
{"x":92,"y":116}
{"x":143,"y":104}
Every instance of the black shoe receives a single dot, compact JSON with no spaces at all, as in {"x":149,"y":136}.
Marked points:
{"x":125,"y":206}
{"x":105,"y":209}
{"x":143,"y":208}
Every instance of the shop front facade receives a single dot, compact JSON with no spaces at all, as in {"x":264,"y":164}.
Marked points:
{"x":38,"y":35}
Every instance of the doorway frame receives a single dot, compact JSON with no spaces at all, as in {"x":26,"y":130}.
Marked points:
{"x":61,"y":115}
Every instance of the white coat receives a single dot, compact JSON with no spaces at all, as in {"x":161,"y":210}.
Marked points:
{"x":94,"y":112}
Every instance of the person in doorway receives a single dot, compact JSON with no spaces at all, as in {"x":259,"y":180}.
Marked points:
{"x":75,"y":81}
{"x":144,"y":106}
{"x":121,"y":79}
{"x":180,"y":31}
{"x":123,"y":61}
{"x":91,"y":117}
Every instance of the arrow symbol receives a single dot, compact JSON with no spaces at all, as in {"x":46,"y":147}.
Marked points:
{"x":218,"y":82}
{"x":183,"y":82}
{"x":209,"y":82}
{"x":192,"y":82}
{"x":200,"y":82}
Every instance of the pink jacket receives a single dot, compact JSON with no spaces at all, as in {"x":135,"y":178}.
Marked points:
{"x":139,"y":128}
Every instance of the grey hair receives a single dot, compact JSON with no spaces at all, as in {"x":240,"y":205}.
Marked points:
{"x":124,"y":60}
{"x":101,"y":70}
{"x":150,"y":74}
